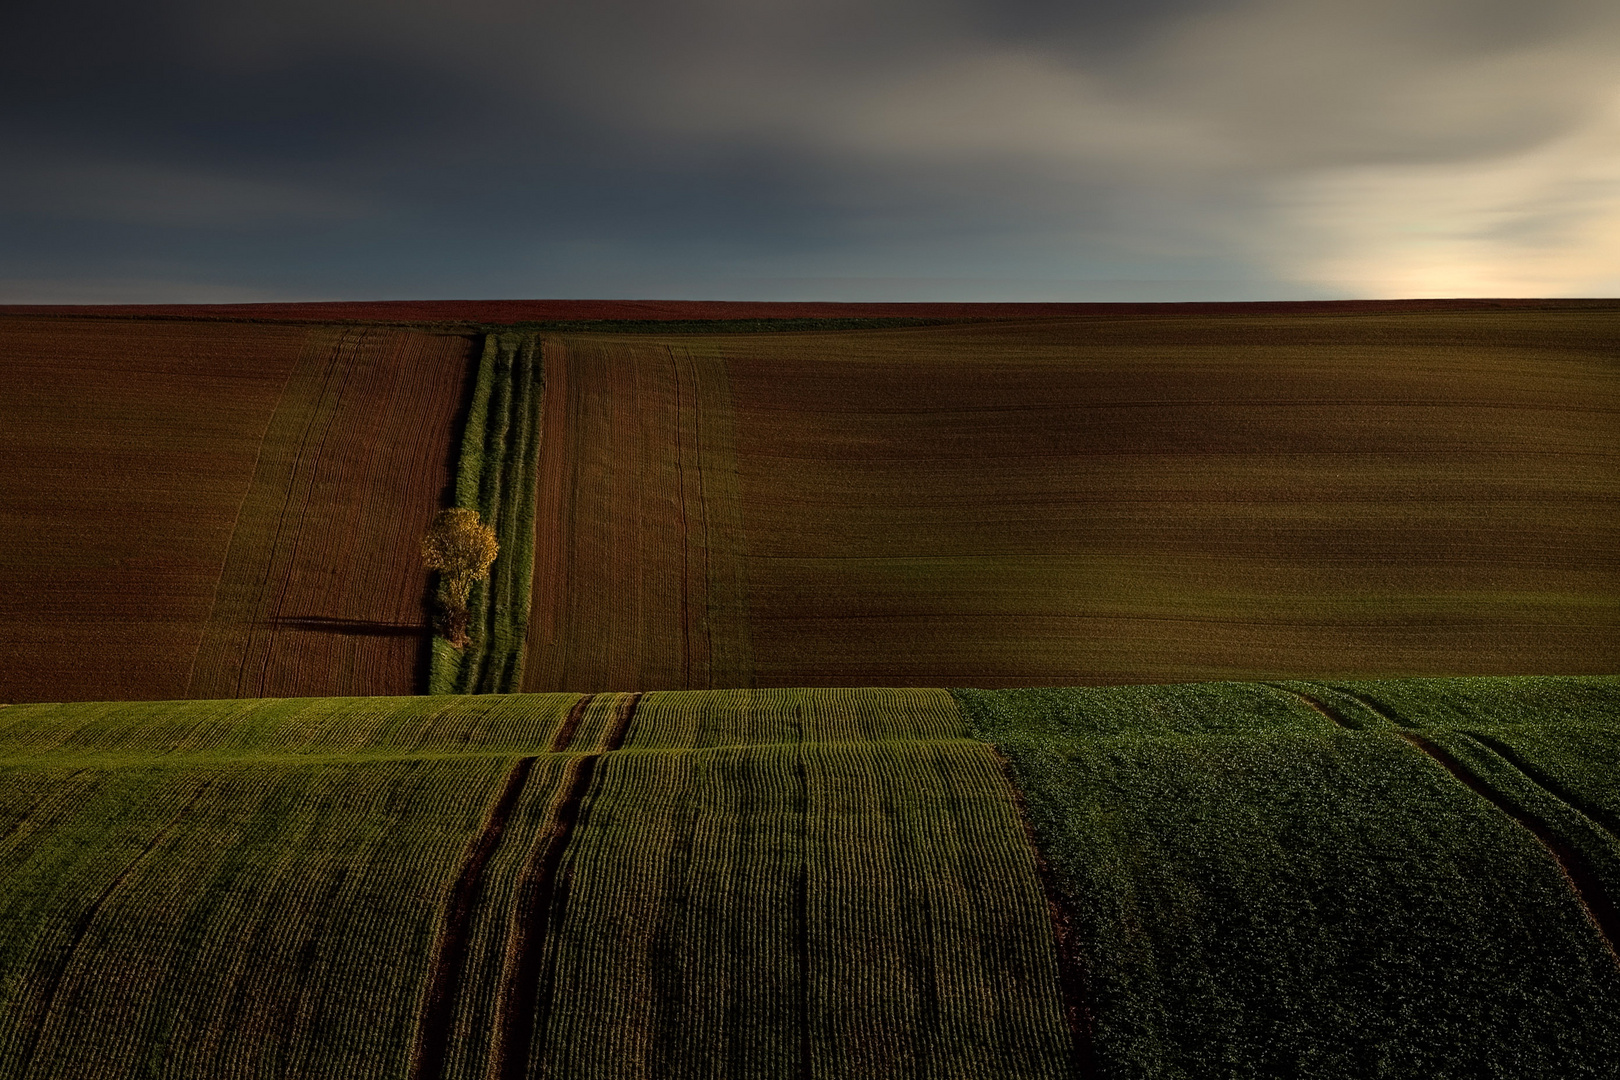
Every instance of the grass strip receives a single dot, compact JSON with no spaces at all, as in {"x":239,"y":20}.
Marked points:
{"x":496,"y":476}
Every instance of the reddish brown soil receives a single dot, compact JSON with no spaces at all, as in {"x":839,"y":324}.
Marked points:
{"x":1067,"y":502}
{"x":637,"y":567}
{"x":1138,"y":502}
{"x":127,"y":450}
{"x":323,"y":592}
{"x":513,"y":311}
{"x":207,"y":510}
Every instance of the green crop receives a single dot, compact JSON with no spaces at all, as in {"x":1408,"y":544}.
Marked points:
{"x":750,"y":884}
{"x":1256,"y":889}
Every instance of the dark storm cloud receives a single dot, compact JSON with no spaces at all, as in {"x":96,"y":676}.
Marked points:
{"x":747,"y":147}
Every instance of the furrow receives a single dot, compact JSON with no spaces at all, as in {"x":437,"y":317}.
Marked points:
{"x":433,"y":1030}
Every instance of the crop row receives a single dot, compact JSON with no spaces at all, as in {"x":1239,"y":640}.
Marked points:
{"x":1258,"y":888}
{"x":115,"y":733}
{"x":499,"y":885}
{"x":496,"y":476}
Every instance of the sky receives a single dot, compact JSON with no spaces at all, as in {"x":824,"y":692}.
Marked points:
{"x":247,"y":150}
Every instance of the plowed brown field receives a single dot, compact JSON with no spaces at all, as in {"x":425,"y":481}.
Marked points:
{"x":128,"y":449}
{"x":196,"y":509}
{"x":323,"y":590}
{"x":1088,"y":501}
{"x":638,"y":567}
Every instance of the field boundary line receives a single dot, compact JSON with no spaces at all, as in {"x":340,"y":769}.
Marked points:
{"x":82,"y":926}
{"x":438,"y":1004}
{"x":496,"y":475}
{"x":1073,"y":978}
{"x":1583,"y":883}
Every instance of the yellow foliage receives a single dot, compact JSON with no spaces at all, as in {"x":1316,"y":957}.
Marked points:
{"x":461,"y":548}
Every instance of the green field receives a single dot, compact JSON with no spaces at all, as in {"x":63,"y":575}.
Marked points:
{"x":1268,"y":884}
{"x":817,"y":883}
{"x":759,"y":884}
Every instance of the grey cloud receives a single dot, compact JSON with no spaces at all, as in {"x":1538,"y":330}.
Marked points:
{"x":138,"y":193}
{"x":484,"y":142}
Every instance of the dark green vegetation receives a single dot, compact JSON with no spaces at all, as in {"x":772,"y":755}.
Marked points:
{"x":496,"y":476}
{"x":1404,"y":878}
{"x":760,"y":884}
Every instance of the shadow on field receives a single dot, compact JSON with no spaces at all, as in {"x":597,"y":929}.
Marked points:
{"x":321,"y":624}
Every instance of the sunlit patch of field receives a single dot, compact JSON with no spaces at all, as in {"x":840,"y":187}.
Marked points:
{"x":748,"y":883}
{"x":1119,"y":500}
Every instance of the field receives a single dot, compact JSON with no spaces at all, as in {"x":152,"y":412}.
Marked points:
{"x":196,"y":510}
{"x":1082,"y":501}
{"x":126,"y":458}
{"x":1113,"y":497}
{"x":1258,"y":888}
{"x":690,"y":849}
{"x":640,"y":571}
{"x":1234,"y":880}
{"x":748,"y":883}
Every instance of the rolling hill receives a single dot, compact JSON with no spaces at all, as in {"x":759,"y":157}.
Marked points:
{"x":907,"y":691}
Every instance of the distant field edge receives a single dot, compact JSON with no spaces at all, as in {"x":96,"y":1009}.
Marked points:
{"x":464,"y":313}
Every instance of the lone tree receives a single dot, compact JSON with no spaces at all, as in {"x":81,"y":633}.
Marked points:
{"x":460,"y":548}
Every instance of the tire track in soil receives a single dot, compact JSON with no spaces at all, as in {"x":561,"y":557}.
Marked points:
{"x":340,"y":369}
{"x":542,"y":901}
{"x":1546,"y":782}
{"x":801,"y":911}
{"x":1596,"y":903}
{"x":1319,"y":706}
{"x":1598,"y":906}
{"x":334,"y":367}
{"x":433,"y":1028}
{"x":82,"y":926}
{"x":565,"y":734}
{"x":686,"y":532}
{"x":1073,"y":979}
